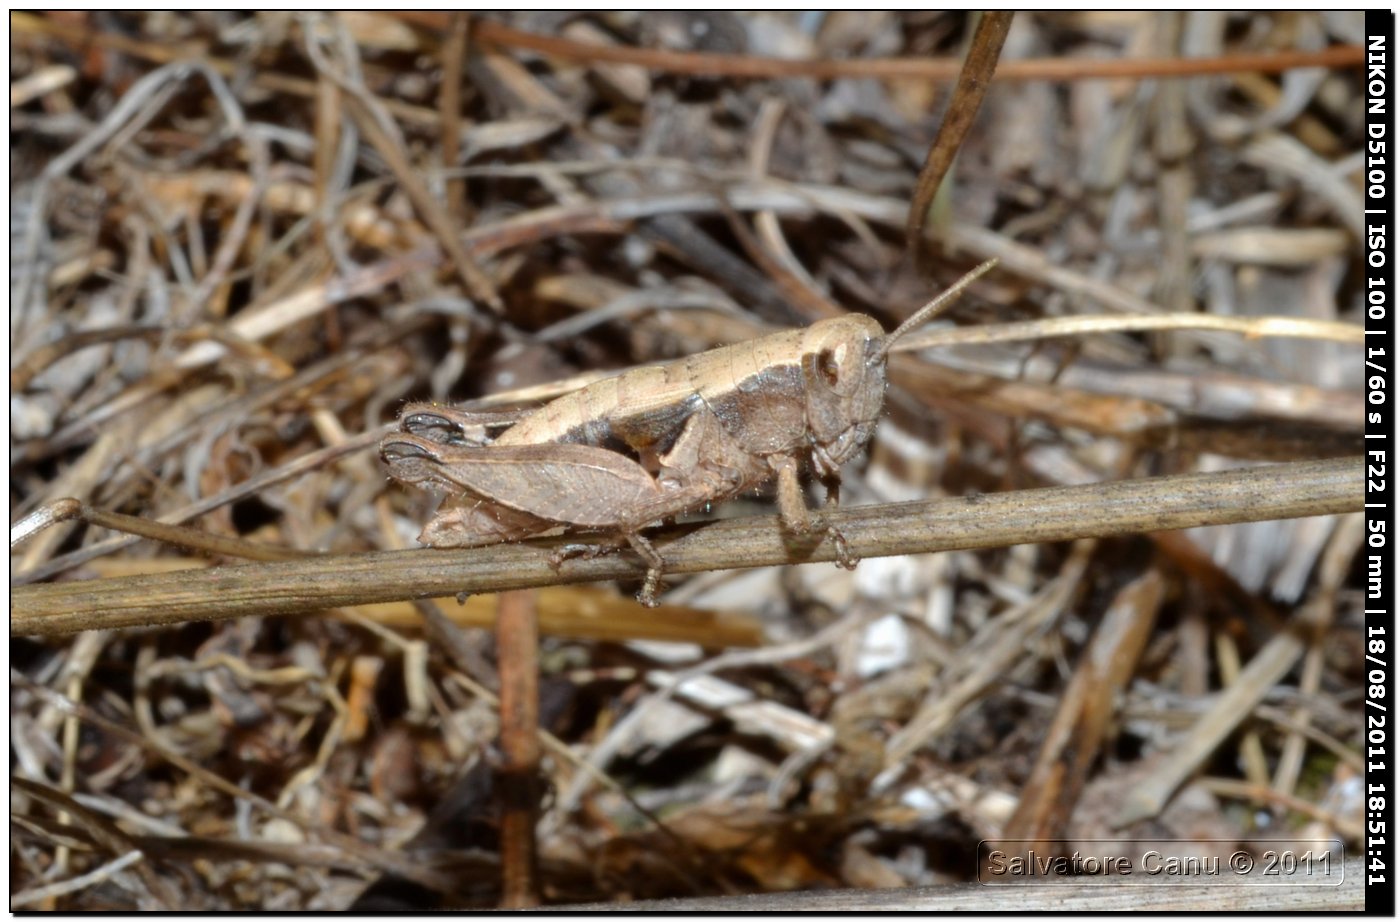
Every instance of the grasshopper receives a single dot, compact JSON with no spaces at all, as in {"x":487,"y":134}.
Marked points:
{"x":651,"y":443}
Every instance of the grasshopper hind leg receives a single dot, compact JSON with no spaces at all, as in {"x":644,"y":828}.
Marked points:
{"x":463,"y":521}
{"x":644,"y":549}
{"x":655,"y":566}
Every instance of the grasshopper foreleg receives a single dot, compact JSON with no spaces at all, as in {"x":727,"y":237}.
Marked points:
{"x":797,"y":518}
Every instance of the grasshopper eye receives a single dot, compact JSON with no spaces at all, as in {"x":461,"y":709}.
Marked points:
{"x":829,"y":364}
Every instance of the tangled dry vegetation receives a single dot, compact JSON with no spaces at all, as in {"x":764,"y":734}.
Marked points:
{"x":241,"y":242}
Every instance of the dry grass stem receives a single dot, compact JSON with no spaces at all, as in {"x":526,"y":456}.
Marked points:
{"x":974,"y":79}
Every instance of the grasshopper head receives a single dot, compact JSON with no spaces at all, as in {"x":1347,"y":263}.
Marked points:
{"x":843,"y":367}
{"x":843,"y":371}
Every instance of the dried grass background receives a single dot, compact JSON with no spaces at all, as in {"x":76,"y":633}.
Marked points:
{"x":239,"y":242}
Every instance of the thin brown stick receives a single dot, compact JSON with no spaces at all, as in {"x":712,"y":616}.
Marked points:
{"x":104,"y":832}
{"x":454,"y":53}
{"x":253,"y":485}
{"x":517,"y":640}
{"x":749,"y":66}
{"x":737,"y":66}
{"x":973,"y":80}
{"x":68,"y":509}
{"x":1350,"y":826}
{"x":1019,"y":517}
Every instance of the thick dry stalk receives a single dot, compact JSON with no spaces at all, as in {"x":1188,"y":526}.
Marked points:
{"x":1280,"y":491}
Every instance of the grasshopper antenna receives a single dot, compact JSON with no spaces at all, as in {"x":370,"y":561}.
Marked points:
{"x":935,"y":307}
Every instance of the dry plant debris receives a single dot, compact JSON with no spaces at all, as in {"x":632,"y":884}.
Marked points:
{"x":240,"y":242}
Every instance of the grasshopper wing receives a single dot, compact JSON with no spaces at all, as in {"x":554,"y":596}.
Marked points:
{"x":566,"y":483}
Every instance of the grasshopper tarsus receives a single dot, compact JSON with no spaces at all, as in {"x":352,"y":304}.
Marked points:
{"x":647,"y":595}
{"x":583,"y":552}
{"x":844,"y":558}
{"x":814,"y":523}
